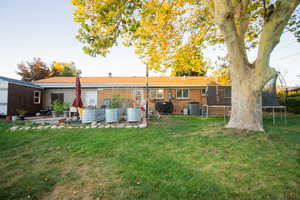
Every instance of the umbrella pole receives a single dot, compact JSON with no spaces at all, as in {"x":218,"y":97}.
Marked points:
{"x":147,"y":95}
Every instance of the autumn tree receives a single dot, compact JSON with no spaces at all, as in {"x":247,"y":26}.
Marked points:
{"x":158,"y":29}
{"x":221,"y":70}
{"x":34,"y":70}
{"x":38,"y":69}
{"x":64,"y":69}
{"x":188,"y":61}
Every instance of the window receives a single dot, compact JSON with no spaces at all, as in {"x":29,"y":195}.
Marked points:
{"x":57,"y":96}
{"x":90,"y":98}
{"x":36,"y":97}
{"x":157,"y":93}
{"x":227,"y":93}
{"x":182,"y":93}
{"x":106,"y":102}
{"x":203,"y":92}
{"x":138,"y":92}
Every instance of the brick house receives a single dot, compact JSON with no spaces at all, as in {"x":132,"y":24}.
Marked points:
{"x":97,"y":91}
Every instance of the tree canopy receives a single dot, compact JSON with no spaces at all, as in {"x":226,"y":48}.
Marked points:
{"x":64,"y":69}
{"x":34,"y":70}
{"x":38,"y":69}
{"x":164,"y":31}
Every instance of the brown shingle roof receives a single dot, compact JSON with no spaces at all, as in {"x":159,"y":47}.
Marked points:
{"x":169,"y":81}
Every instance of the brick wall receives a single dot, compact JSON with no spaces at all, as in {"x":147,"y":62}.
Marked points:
{"x":218,"y":110}
{"x":128,"y":96}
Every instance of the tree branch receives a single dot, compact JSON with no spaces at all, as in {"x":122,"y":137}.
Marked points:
{"x":271,"y":32}
{"x":242,"y":17}
{"x":224,"y":14}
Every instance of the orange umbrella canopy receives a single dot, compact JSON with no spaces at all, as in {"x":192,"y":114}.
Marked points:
{"x":78,"y":101}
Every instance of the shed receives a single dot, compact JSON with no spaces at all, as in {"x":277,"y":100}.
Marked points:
{"x":16,"y":95}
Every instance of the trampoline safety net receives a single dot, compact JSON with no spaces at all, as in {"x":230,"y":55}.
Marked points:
{"x":269,"y":94}
{"x":221,"y":95}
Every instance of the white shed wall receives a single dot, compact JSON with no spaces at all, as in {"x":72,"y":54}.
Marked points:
{"x":3,"y":97}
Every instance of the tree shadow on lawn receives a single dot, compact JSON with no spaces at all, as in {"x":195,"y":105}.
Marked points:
{"x":159,"y":176}
{"x":146,"y":177}
{"x":31,"y":185}
{"x":280,"y":132}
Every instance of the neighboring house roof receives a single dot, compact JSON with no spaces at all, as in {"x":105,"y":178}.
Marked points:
{"x":293,"y":88}
{"x":135,"y":81}
{"x":18,"y":82}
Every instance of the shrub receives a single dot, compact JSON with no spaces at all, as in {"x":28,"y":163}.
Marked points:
{"x":57,"y":106}
{"x":115,"y":101}
{"x":292,"y":104}
{"x":66,"y":106}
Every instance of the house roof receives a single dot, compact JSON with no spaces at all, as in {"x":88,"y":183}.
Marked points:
{"x":19,"y":82}
{"x":296,"y":88}
{"x":130,"y":81}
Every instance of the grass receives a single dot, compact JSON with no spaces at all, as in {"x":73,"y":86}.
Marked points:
{"x":177,"y":157}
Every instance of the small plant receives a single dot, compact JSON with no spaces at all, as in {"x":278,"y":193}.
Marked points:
{"x":57,"y":106}
{"x":131,"y":103}
{"x":115,"y":101}
{"x":21,"y":113}
{"x":66,"y":106}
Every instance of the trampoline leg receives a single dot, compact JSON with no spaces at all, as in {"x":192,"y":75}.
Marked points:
{"x":207,"y":112}
{"x":273,"y":116}
{"x":224,"y":114}
{"x":285,"y":120}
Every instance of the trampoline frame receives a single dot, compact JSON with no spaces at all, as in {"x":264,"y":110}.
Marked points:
{"x":282,"y":110}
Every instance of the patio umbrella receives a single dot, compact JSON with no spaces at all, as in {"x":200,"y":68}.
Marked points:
{"x":77,"y":101}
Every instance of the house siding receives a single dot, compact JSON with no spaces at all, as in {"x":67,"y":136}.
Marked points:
{"x":69,"y":95}
{"x":128,"y":95}
{"x":218,"y":110}
{"x":21,"y":97}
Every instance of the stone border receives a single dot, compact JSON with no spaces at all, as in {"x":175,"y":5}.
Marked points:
{"x":81,"y":126}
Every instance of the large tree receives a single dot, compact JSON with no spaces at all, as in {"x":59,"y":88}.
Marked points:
{"x":38,"y":69}
{"x":64,"y":69}
{"x":33,"y":70}
{"x":159,"y":29}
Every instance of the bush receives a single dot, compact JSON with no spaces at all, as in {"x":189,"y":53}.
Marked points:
{"x":115,"y":101}
{"x":292,"y":104}
{"x":57,"y":106}
{"x":66,"y":106}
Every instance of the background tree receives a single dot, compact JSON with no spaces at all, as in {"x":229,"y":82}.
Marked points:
{"x":159,"y":28}
{"x":188,"y":61}
{"x":221,"y":70}
{"x":37,"y":69}
{"x":34,"y":70}
{"x":64,"y":69}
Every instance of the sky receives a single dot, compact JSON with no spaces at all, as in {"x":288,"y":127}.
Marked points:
{"x":45,"y":29}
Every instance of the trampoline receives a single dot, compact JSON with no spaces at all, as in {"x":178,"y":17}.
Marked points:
{"x":220,"y":97}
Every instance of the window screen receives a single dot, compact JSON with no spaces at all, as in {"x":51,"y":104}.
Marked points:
{"x":37,"y":97}
{"x":182,"y":93}
{"x":57,"y":96}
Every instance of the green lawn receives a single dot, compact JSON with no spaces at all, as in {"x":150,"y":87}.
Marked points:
{"x":176,"y":158}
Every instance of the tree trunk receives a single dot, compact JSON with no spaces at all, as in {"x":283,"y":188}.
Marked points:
{"x":246,"y":99}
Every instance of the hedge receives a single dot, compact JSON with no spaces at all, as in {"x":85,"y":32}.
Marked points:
{"x":293,"y":104}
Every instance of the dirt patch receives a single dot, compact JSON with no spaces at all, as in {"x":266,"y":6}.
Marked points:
{"x":211,"y":130}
